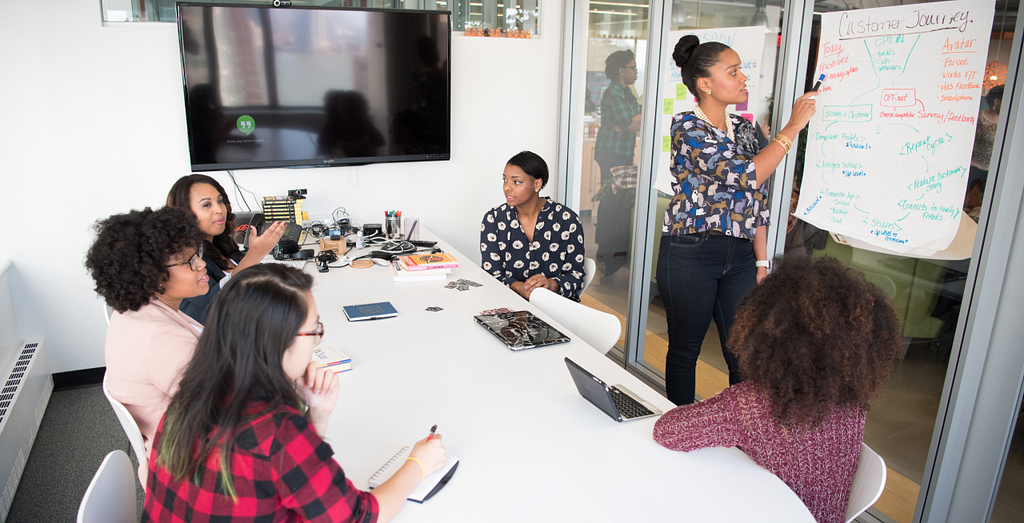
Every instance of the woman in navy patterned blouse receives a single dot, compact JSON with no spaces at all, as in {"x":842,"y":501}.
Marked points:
{"x":531,"y":242}
{"x":715,"y":224}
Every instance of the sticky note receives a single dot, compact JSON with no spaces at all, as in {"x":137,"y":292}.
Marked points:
{"x":670,"y":106}
{"x":666,"y":144}
{"x":680,"y":91}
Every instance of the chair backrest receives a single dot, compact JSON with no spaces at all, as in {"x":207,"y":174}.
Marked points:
{"x":131,"y":428}
{"x":110,"y":497}
{"x":599,"y":329}
{"x":108,"y":311}
{"x":868,"y":483}
{"x":590,"y":268}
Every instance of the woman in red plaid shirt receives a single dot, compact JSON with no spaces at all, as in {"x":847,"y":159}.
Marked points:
{"x":242,"y":440}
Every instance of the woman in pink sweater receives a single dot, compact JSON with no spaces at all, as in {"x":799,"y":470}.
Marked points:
{"x":814,"y":342}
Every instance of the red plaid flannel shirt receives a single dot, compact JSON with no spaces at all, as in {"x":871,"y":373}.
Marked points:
{"x":281,"y":469}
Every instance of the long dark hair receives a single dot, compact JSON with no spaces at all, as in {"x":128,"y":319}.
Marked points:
{"x":815,"y":335}
{"x":238,"y":359}
{"x":223,"y":245}
{"x":695,"y":60}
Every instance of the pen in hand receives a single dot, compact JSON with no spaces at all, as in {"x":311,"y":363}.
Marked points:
{"x":432,"y":431}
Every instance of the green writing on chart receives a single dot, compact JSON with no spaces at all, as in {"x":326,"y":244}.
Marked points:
{"x":246,"y":124}
{"x":847,"y":113}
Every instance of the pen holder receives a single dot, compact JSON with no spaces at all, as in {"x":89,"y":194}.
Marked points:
{"x":394,"y":227}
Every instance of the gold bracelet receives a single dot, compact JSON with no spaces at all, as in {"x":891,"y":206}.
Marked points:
{"x":784,"y":141}
{"x":783,"y":144}
{"x":422,"y":470}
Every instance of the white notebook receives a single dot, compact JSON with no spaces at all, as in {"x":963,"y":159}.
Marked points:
{"x":427,"y":486}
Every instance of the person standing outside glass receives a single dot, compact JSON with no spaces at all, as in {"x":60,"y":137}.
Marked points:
{"x":616,"y":141}
{"x":713,"y":245}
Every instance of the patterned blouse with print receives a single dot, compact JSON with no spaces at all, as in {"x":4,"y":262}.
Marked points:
{"x":556,"y":251}
{"x":714,"y":180}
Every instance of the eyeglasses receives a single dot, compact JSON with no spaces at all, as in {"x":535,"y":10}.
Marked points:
{"x":633,"y":67}
{"x":192,"y":262}
{"x":319,"y":333}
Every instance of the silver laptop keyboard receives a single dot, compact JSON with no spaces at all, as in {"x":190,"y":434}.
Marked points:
{"x":629,"y":408}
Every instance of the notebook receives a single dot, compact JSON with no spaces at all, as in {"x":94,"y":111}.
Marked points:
{"x":521,"y":329}
{"x":427,"y":486}
{"x":370,"y":311}
{"x":616,"y":401}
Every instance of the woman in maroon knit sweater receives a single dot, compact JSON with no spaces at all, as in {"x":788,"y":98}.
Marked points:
{"x":814,"y":342}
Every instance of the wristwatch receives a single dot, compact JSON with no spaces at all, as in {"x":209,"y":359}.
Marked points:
{"x":763,"y":263}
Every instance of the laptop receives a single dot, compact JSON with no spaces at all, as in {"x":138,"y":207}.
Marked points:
{"x":616,"y":401}
{"x":520,"y":330}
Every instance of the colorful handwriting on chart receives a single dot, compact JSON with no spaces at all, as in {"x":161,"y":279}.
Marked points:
{"x":889,"y":148}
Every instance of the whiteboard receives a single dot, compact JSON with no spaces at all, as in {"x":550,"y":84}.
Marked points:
{"x":889,"y":148}
{"x":748,"y":42}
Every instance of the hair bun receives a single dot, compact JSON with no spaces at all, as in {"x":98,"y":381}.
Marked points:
{"x":684,"y":48}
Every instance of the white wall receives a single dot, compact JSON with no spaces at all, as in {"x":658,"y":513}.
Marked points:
{"x":93,"y":124}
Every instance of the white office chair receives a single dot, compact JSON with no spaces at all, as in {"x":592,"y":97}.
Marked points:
{"x":131,"y":429}
{"x":599,"y":329}
{"x":110,"y":497}
{"x":590,"y":268}
{"x":108,"y":311}
{"x":868,"y":483}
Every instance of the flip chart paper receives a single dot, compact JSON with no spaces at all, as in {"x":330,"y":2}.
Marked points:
{"x":889,"y":148}
{"x":748,"y":42}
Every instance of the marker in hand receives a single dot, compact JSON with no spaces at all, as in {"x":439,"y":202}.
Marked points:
{"x":432,"y":431}
{"x":817,"y":85}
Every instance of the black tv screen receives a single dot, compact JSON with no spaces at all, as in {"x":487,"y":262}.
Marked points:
{"x":301,"y":87}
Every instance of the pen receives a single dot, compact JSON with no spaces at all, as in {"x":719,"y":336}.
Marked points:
{"x":817,"y":84}
{"x":432,"y":431}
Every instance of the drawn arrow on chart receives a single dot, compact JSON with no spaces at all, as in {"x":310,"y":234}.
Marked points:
{"x":926,"y":167}
{"x":879,"y":130}
{"x":855,"y":98}
{"x":909,"y":54}
{"x":830,"y":125}
{"x":903,"y":218}
{"x":859,"y":209}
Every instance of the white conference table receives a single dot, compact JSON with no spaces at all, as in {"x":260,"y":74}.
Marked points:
{"x":530,"y":447}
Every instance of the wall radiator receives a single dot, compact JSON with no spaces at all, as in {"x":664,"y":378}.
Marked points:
{"x":26,"y":391}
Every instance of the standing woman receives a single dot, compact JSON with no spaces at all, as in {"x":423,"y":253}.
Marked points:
{"x":242,"y":440}
{"x":206,"y":199}
{"x":713,"y":244}
{"x":530,"y":242}
{"x":616,"y":141}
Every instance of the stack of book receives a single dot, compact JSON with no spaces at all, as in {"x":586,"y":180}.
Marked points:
{"x":327,"y":357}
{"x":282,"y":209}
{"x":423,"y":267}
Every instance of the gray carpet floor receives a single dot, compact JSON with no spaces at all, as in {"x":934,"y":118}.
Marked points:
{"x":77,"y":431}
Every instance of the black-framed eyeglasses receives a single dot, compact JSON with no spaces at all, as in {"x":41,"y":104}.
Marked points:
{"x":319,"y":332}
{"x":192,"y":262}
{"x":633,"y":67}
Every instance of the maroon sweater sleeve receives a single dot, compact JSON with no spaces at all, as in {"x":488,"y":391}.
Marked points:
{"x":716,"y":422}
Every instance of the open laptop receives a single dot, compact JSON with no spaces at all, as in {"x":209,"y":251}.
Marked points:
{"x":521,"y":329}
{"x":616,"y":401}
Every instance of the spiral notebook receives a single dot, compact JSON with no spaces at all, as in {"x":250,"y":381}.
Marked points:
{"x":370,"y":311}
{"x":427,"y":486}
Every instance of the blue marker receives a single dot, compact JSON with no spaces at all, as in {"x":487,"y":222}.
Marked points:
{"x":818,"y":83}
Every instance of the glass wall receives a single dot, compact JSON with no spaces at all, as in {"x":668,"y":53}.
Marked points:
{"x":483,"y":14}
{"x":928,"y":291}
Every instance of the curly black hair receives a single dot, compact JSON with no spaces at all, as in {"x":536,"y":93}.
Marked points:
{"x":129,"y":258}
{"x":815,"y":334}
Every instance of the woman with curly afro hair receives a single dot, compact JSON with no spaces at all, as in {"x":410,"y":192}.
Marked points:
{"x":815,"y":341}
{"x":144,"y":264}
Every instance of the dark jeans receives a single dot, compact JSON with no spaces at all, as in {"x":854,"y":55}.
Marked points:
{"x":700,"y":277}
{"x":614,"y":218}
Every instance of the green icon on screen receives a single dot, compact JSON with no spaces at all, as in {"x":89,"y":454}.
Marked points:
{"x":246,"y":124}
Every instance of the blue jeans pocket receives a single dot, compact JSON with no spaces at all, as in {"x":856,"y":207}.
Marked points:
{"x":688,"y":240}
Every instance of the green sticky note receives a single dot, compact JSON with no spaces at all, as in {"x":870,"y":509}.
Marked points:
{"x":670,"y":106}
{"x":681,"y":91}
{"x":666,"y":144}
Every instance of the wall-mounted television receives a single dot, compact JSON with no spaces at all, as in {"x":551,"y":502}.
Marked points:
{"x":314,"y":86}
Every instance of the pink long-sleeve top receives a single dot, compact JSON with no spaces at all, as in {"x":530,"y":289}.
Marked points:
{"x":146,"y":351}
{"x":817,"y":464}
